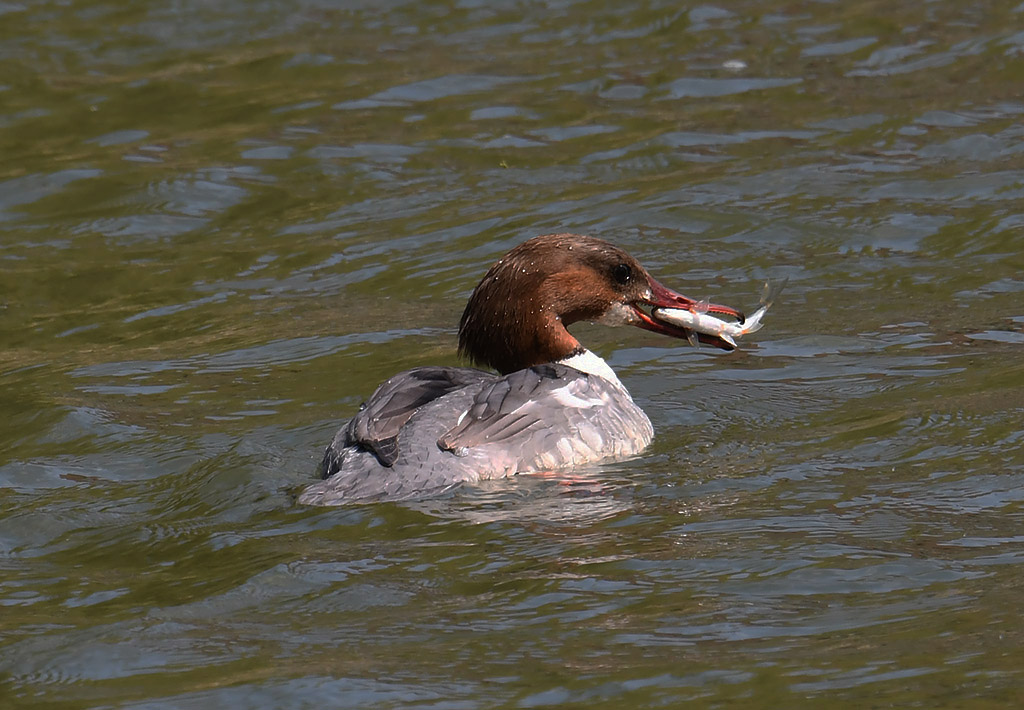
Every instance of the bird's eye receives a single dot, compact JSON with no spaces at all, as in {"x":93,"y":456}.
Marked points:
{"x":622,"y":273}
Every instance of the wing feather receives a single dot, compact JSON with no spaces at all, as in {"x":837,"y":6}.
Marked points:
{"x":378,"y":424}
{"x":519,"y":402}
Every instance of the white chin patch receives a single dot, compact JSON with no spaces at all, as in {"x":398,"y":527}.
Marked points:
{"x":618,"y":314}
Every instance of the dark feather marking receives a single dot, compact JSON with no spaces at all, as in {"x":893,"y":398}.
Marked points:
{"x":378,"y":425}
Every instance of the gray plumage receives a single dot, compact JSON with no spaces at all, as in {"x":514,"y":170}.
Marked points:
{"x":403,"y":443}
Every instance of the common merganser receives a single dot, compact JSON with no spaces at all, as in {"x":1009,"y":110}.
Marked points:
{"x":554,"y":404}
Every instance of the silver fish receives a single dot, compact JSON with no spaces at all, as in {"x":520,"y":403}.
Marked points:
{"x":700,"y":321}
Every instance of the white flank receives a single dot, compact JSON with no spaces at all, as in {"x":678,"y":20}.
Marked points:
{"x":564,"y":397}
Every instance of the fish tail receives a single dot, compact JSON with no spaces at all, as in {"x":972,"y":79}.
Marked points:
{"x":772,"y":291}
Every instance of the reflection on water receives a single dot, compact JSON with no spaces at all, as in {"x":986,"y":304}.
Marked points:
{"x":222,"y":225}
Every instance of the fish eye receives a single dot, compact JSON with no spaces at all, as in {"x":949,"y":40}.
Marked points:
{"x":622,"y":273}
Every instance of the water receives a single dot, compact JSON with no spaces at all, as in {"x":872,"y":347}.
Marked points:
{"x":222,"y":225}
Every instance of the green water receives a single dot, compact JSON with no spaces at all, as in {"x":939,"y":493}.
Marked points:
{"x":221,"y":226}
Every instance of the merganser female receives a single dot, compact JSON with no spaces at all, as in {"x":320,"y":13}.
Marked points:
{"x":554,"y":404}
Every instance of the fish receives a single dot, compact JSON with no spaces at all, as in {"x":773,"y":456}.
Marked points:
{"x":697,"y":319}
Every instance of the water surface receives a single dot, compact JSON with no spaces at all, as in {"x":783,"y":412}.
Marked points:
{"x":222,"y":225}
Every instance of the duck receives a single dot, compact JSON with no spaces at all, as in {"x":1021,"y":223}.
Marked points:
{"x":545,"y":403}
